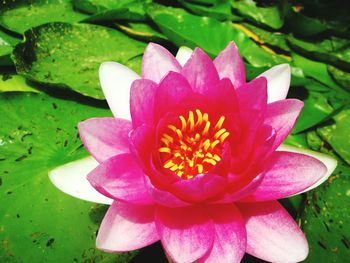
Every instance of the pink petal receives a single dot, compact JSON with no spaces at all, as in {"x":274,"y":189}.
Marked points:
{"x":272,"y":233}
{"x":121,"y":178}
{"x":157,"y":62}
{"x":199,"y":188}
{"x":288,"y":174}
{"x":186,"y":233}
{"x":173,"y":90}
{"x":105,"y":137}
{"x":116,"y":81}
{"x":230,"y":235}
{"x":183,"y":55}
{"x":142,"y":101}
{"x":200,"y":72}
{"x":253,"y":95}
{"x":278,"y":79}
{"x":127,"y":227}
{"x":282,"y":115}
{"x":329,"y":161}
{"x":164,"y":198}
{"x":229,"y":64}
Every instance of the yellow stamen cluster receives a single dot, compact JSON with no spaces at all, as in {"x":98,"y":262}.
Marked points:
{"x":195,"y":147}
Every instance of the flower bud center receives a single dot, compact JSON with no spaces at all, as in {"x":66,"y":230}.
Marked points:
{"x":193,"y":145}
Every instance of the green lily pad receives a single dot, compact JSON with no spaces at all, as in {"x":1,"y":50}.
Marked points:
{"x":7,"y":43}
{"x":325,"y":219}
{"x":337,"y":134}
{"x":19,"y":16}
{"x":335,"y":51}
{"x":340,"y":76}
{"x":73,"y":59}
{"x":141,"y":31}
{"x":185,"y":29}
{"x":268,"y":16}
{"x":9,"y":82}
{"x":94,"y":7}
{"x":39,"y":223}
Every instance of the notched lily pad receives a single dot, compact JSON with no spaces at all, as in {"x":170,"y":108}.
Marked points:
{"x":20,"y":15}
{"x":73,"y":58}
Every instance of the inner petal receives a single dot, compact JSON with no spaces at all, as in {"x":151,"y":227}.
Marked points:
{"x":192,"y":145}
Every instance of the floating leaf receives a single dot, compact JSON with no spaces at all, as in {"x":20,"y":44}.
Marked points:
{"x":9,"y":82}
{"x":73,"y":59}
{"x":19,"y":16}
{"x":337,"y":134}
{"x":340,"y":76}
{"x":94,"y":7}
{"x":39,"y":223}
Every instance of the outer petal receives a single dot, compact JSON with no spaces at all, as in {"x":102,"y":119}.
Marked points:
{"x":157,"y":62}
{"x":278,"y":79}
{"x":282,"y":115}
{"x":253,"y":95}
{"x":186,"y":233}
{"x":272,"y":233}
{"x":142,"y":101}
{"x":230,"y":235}
{"x":105,"y":137}
{"x":200,"y":72}
{"x":183,"y":55}
{"x":327,"y":160}
{"x":288,"y":174}
{"x":199,"y":188}
{"x":127,"y":227}
{"x":116,"y":81}
{"x":71,"y":179}
{"x":121,"y":178}
{"x":229,"y":64}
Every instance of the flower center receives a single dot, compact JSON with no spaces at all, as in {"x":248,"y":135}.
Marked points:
{"x":195,"y":147}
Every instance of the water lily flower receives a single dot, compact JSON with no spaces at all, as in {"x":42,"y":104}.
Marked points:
{"x":193,"y":158}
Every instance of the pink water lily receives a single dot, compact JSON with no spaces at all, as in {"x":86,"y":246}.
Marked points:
{"x":193,"y":158}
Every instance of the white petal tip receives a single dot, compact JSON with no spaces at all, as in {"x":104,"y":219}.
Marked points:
{"x":183,"y":55}
{"x":327,"y":160}
{"x":71,"y":179}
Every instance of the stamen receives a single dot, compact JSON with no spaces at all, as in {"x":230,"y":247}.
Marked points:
{"x":220,"y":122}
{"x":199,"y":116}
{"x":191,"y":120}
{"x":219,"y":133}
{"x":206,"y":128}
{"x":164,"y":150}
{"x":183,"y":122}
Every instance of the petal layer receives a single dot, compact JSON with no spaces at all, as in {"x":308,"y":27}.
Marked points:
{"x":157,"y":62}
{"x":121,"y":178}
{"x":127,"y":227}
{"x":183,"y":55}
{"x":278,"y":81}
{"x":230,"y":235}
{"x":186,"y":233}
{"x":272,"y":233}
{"x":229,"y":64}
{"x":327,"y":160}
{"x":71,"y":179}
{"x":105,"y":137}
{"x":116,"y":82}
{"x":288,"y":174}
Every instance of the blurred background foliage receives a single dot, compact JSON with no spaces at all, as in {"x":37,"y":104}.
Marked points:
{"x":50,"y":51}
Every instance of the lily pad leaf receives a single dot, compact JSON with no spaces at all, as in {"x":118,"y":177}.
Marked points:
{"x":141,"y":31}
{"x":19,"y":16}
{"x":340,"y":76}
{"x":10,"y":83}
{"x":73,"y":59}
{"x":39,"y":223}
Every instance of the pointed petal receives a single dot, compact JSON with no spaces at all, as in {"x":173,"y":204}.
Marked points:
{"x":116,"y":82}
{"x":278,"y":81}
{"x":105,"y":137}
{"x":288,"y":173}
{"x":157,"y":62}
{"x":200,"y":72}
{"x":142,"y":102}
{"x":282,"y":115}
{"x":229,"y":64}
{"x":186,"y":233}
{"x":327,"y":160}
{"x":127,"y":227}
{"x":183,"y":55}
{"x":272,"y":233}
{"x":121,"y":178}
{"x":253,"y":95}
{"x":71,"y":179}
{"x":230,"y":235}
